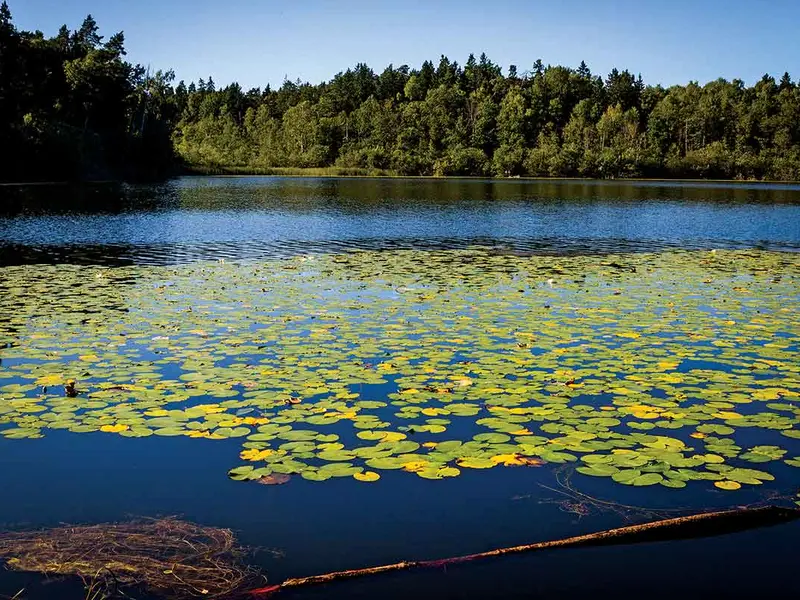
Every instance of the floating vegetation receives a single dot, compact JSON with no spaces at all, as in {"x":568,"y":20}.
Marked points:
{"x":643,"y":369}
{"x":168,"y":557}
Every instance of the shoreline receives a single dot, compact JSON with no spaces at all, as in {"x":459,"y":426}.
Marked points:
{"x":333,"y":173}
{"x":359,"y":173}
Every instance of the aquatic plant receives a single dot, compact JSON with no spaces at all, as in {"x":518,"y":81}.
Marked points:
{"x":641,"y":368}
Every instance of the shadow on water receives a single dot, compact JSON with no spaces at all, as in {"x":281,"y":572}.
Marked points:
{"x":118,"y":255}
{"x":364,"y":194}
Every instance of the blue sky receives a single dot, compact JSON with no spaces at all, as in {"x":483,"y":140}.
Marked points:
{"x":257,"y":42}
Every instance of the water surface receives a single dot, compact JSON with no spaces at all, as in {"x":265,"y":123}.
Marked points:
{"x":339,"y":523}
{"x":249,"y":217}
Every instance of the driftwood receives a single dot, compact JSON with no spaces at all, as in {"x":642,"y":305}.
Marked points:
{"x":692,"y":526}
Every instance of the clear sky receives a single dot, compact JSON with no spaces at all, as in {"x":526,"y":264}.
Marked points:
{"x":256,"y":42}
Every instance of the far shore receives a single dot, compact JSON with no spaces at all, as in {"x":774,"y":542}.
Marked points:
{"x":344,"y":172}
{"x":355,"y":173}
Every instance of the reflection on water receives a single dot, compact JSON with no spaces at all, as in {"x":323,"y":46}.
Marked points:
{"x":363,"y":194}
{"x":250,"y":218}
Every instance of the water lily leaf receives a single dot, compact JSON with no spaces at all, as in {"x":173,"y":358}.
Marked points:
{"x":712,"y":458}
{"x":713,"y":428}
{"x":673,"y":483}
{"x":475,"y":463}
{"x":231,"y":432}
{"x":297,"y":435}
{"x":315,"y":475}
{"x":509,"y":460}
{"x":751,"y":476}
{"x":341,"y":470}
{"x":448,"y":472}
{"x":647,"y":479}
{"x":21,"y":433}
{"x":598,"y":458}
{"x":626,"y":476}
{"x":448,"y":447}
{"x":557,"y":457}
{"x":492,"y":438}
{"x":598,"y":470}
{"x":256,"y":455}
{"x":760,"y":454}
{"x":400,"y":447}
{"x":240,"y":473}
{"x":384,"y":463}
{"x":371,"y":435}
{"x":728,"y":485}
{"x":114,"y":428}
{"x":335,"y":455}
{"x":136,"y":432}
{"x":170,"y":431}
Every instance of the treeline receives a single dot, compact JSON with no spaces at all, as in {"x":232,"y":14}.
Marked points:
{"x":473,"y":120}
{"x":71,"y":107}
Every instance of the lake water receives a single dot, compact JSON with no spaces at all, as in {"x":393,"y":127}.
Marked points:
{"x":639,"y":325}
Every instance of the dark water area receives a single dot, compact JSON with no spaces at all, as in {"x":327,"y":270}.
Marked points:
{"x":342,"y":524}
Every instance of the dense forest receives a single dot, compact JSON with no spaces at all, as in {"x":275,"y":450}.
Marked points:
{"x":73,"y":107}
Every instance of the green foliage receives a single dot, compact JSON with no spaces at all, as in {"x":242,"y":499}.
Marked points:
{"x":462,"y":161}
{"x":447,"y":120}
{"x":72,"y":108}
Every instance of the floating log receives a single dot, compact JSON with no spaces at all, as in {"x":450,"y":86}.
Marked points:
{"x":679,"y":528}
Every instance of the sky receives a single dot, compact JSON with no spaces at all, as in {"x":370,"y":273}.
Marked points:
{"x":259,"y":42}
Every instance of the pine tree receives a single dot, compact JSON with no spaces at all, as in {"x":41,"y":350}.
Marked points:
{"x":87,"y":36}
{"x":5,"y":16}
{"x":63,"y":39}
{"x":116,"y":44}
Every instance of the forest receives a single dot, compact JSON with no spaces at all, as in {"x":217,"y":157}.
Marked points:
{"x":72,"y":107}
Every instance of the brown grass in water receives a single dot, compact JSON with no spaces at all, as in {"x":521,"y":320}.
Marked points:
{"x":167,"y":557}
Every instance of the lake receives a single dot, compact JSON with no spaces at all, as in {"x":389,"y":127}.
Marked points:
{"x":441,"y":367}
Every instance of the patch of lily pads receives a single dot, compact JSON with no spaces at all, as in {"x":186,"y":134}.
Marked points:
{"x":642,"y":369}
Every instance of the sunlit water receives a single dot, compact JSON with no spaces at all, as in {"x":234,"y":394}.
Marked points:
{"x":341,"y":523}
{"x":197,"y":218}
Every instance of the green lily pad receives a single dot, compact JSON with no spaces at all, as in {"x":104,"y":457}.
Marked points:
{"x":647,"y":479}
{"x":598,"y":470}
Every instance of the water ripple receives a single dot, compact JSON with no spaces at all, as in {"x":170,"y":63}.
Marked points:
{"x":120,"y":254}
